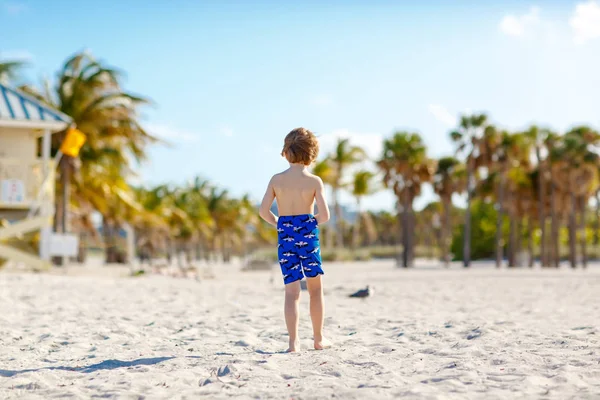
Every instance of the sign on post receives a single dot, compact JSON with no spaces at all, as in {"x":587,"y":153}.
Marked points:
{"x":73,"y":142}
{"x":12,"y":191}
{"x":65,"y":245}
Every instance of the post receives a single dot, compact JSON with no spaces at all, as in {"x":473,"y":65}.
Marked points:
{"x":130,"y":240}
{"x":65,"y":172}
{"x":46,"y":209}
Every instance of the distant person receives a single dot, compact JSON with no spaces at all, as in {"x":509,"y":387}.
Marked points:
{"x":296,"y":190}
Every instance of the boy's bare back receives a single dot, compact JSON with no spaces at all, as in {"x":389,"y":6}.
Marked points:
{"x":295,"y":191}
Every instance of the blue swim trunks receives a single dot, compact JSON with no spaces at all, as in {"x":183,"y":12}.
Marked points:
{"x":298,"y":250}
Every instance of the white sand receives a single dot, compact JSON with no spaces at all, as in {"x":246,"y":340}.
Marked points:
{"x":424,"y":334}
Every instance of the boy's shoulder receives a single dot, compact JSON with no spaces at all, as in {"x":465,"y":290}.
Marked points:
{"x":278,"y":176}
{"x":284,"y":175}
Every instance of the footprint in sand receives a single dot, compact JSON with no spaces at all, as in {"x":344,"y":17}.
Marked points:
{"x":474,"y":334}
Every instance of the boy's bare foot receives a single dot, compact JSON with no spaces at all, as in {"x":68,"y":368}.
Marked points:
{"x":322,"y":344}
{"x":294,"y":347}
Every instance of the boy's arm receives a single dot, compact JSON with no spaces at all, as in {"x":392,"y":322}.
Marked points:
{"x":323,"y":215}
{"x":265,"y":207}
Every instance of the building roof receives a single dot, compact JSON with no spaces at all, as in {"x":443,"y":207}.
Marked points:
{"x":18,"y":109}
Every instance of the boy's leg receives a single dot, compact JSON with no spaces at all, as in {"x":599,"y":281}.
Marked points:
{"x":292,"y":296}
{"x":315,"y":290}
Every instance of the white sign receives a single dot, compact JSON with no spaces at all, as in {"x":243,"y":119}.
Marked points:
{"x":12,"y":191}
{"x":64,"y":245}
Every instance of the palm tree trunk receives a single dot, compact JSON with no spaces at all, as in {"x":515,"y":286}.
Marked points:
{"x":467,"y":236}
{"x":541,"y":208}
{"x":530,"y":227}
{"x":223,"y":248}
{"x":583,"y":237}
{"x":65,"y":177}
{"x":519,"y":241}
{"x":188,"y":253}
{"x":446,"y":232}
{"x":597,"y":224}
{"x":554,"y":224}
{"x":400,"y":217}
{"x":512,"y":243}
{"x":199,"y":250}
{"x":181,"y":253}
{"x":411,"y":233}
{"x":206,"y":249}
{"x":499,"y":236}
{"x":573,"y":232}
{"x":405,"y":231}
{"x":82,"y":249}
{"x":227,"y":249}
{"x":109,"y":245}
{"x":169,"y":249}
{"x":214,"y":248}
{"x":356,"y":231}
{"x":338,"y":219}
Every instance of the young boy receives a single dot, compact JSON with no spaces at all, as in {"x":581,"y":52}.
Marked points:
{"x":296,"y":191}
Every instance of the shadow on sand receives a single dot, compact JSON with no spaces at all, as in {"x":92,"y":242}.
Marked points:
{"x":104,"y":365}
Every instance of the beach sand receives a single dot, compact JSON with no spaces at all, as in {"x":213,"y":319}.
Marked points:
{"x":425,"y":333}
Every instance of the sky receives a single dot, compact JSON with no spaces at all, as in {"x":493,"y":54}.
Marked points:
{"x":229,"y":79}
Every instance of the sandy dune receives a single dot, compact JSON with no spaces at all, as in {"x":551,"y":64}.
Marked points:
{"x":424,"y":334}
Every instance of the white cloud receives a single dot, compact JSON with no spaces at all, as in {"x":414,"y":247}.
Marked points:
{"x":443,"y":115}
{"x":372,"y":143}
{"x":322,"y":100}
{"x":585,"y":22}
{"x":169,"y":133}
{"x":16,"y":55}
{"x":519,"y":25}
{"x":226,"y":131}
{"x":13,"y":7}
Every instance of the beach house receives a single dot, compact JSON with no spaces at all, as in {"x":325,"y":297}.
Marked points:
{"x":26,"y":173}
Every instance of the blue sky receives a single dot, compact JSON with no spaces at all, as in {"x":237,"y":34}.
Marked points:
{"x":230,"y":79}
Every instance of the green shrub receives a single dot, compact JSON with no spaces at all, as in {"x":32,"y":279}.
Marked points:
{"x":483,"y":232}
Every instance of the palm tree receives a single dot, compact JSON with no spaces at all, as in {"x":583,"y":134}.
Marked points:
{"x":576,"y":172}
{"x":406,"y":167}
{"x":552,"y":143}
{"x":9,"y":70}
{"x":537,"y":138}
{"x":511,"y":165}
{"x":102,"y":187}
{"x":449,"y":178}
{"x":468,"y":138}
{"x":91,"y":94}
{"x":196,"y":207}
{"x":344,"y":156}
{"x":386,"y":228}
{"x":519,"y":201}
{"x":597,"y":218}
{"x":362,"y":187}
{"x":230,"y":218}
{"x":152,"y":228}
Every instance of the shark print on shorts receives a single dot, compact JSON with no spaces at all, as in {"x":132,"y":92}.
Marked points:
{"x":298,"y":249}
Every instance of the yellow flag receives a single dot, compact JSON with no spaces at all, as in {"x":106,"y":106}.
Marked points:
{"x":73,"y":142}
